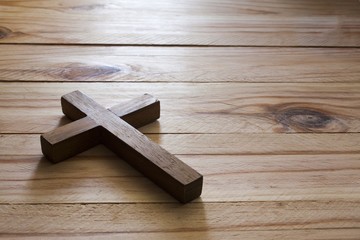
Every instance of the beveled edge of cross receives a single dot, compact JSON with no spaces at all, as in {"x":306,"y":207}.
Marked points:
{"x":185,"y":184}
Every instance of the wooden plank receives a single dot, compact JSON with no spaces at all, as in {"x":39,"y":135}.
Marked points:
{"x":186,"y":22}
{"x":226,"y":144}
{"x":189,"y":108}
{"x":178,"y":64}
{"x":106,"y":178}
{"x":173,"y":218}
{"x":299,"y":234}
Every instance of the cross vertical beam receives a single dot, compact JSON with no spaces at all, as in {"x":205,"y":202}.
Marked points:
{"x":163,"y":168}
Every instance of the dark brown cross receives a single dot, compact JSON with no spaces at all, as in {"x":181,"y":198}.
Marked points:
{"x":114,"y":128}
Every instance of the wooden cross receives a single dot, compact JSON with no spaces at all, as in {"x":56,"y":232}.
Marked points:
{"x":114,"y":128}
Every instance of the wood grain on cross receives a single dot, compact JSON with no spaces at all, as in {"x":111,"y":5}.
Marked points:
{"x":95,"y":125}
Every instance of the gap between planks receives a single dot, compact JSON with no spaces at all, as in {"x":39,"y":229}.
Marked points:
{"x":170,"y":45}
{"x":299,"y":234}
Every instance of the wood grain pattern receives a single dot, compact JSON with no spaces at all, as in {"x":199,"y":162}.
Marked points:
{"x":186,"y":22}
{"x":178,"y":64}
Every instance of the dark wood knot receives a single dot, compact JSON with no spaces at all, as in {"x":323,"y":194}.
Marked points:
{"x":78,"y":71}
{"x":308,"y":120}
{"x":303,"y":117}
{"x":4,"y":32}
{"x":89,"y":7}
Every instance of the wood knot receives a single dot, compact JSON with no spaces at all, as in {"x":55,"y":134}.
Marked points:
{"x":305,"y":119}
{"x":4,"y":32}
{"x":89,"y":7}
{"x":78,"y":71}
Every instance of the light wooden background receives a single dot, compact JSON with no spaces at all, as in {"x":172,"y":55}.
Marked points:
{"x":261,"y":97}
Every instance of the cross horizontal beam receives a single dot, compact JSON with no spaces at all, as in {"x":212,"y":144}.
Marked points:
{"x":78,"y":136}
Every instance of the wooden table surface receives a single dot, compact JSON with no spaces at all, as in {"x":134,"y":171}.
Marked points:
{"x":261,"y":97}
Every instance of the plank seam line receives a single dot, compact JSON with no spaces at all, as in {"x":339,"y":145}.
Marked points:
{"x":177,"y":45}
{"x":197,"y":82}
{"x":219,"y":133}
{"x":171,"y":231}
{"x":179,"y":204}
{"x":273,"y":153}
